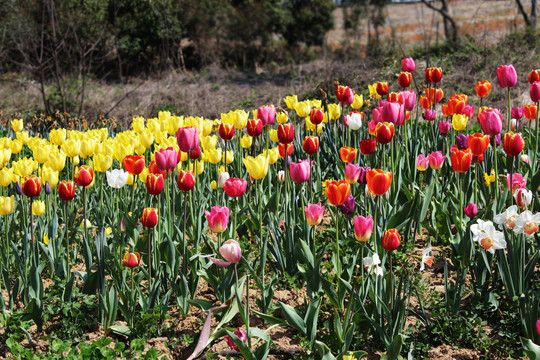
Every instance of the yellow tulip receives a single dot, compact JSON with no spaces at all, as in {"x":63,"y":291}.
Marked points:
{"x":200,"y":167}
{"x":273,"y":155}
{"x":106,"y":147}
{"x":102,"y":162}
{"x":146,"y":139}
{"x":121,"y":151}
{"x":358,"y":102}
{"x":137,"y":123}
{"x":228,"y":118}
{"x":230,"y":157}
{"x":6,"y":156}
{"x":172,"y":124}
{"x":213,"y":155}
{"x":206,"y":128}
{"x":291,"y":101}
{"x":46,"y":239}
{"x":24,"y":167}
{"x":22,"y":136}
{"x":315,"y":104}
{"x":38,"y":207}
{"x":241,"y":119}
{"x":71,"y":147}
{"x":140,"y":150}
{"x":209,"y":142}
{"x":257,"y":167}
{"x":15,"y":146}
{"x":303,"y":109}
{"x":274,"y":135}
{"x":6,"y":204}
{"x":41,"y":154}
{"x":373,"y":94}
{"x":6,"y":177}
{"x":130,"y":179}
{"x":87,"y":147}
{"x":57,"y":136}
{"x":213,"y":185}
{"x":108,"y":231}
{"x":143,"y":175}
{"x":49,"y":175}
{"x":282,"y":117}
{"x":311,"y":127}
{"x":459,"y":122}
{"x":246,"y":141}
{"x":76,"y":160}
{"x":153,"y":125}
{"x":57,"y":160}
{"x":335,"y":111}
{"x":17,"y":125}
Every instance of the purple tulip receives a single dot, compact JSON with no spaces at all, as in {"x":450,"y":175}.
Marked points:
{"x":462,"y":141}
{"x":348,"y":206}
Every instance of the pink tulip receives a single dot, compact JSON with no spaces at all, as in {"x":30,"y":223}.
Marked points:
{"x":166,"y":159}
{"x":235,"y":187}
{"x":468,"y":111}
{"x":429,"y":115}
{"x":409,"y":99}
{"x":422,"y":162}
{"x":436,"y":160}
{"x":314,"y":213}
{"x":267,"y":114}
{"x":300,"y":171}
{"x":231,"y":251}
{"x":517,"y":113}
{"x":218,"y":217}
{"x":392,"y":113}
{"x":188,"y":138}
{"x":535,"y":91}
{"x":517,"y":180}
{"x":524,"y":158}
{"x":507,"y":76}
{"x":363,"y":227}
{"x":377,"y":115}
{"x":491,"y":121}
{"x":241,"y":335}
{"x":444,"y":127}
{"x":538,"y":327}
{"x":408,"y":65}
{"x":470,"y":210}
{"x":352,"y":173}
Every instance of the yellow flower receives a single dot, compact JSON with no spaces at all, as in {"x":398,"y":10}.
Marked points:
{"x":6,"y":156}
{"x":24,"y":167}
{"x":273,"y":155}
{"x":246,"y":141}
{"x":257,"y":167}
{"x":358,"y":102}
{"x":209,"y":142}
{"x":57,"y":136}
{"x":146,"y":139}
{"x":108,"y":231}
{"x":274,"y":136}
{"x":6,"y":204}
{"x":230,"y":157}
{"x":228,"y":118}
{"x":76,"y":160}
{"x":87,"y":147}
{"x":49,"y":175}
{"x":311,"y":127}
{"x":15,"y":146}
{"x":102,"y":162}
{"x":303,"y":109}
{"x":291,"y":101}
{"x":213,"y":155}
{"x":17,"y":125}
{"x":373,"y":94}
{"x":38,"y":207}
{"x":282,"y":117}
{"x":137,"y":123}
{"x":459,"y":122}
{"x":41,"y":153}
{"x":121,"y":151}
{"x":489,"y":178}
{"x":173,"y":123}
{"x":22,"y":136}
{"x":200,"y":167}
{"x":71,"y":147}
{"x":206,"y":128}
{"x":315,"y":104}
{"x":130,"y":179}
{"x":88,"y":223}
{"x":143,"y":175}
{"x":241,"y":119}
{"x":213,"y":185}
{"x":46,"y":239}
{"x":6,"y":177}
{"x":335,"y":111}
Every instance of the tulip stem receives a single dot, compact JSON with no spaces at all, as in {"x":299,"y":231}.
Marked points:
{"x":496,"y":170}
{"x":184,"y":243}
{"x":460,"y":201}
{"x":84,"y":214}
{"x":66,"y":215}
{"x":132,"y":301}
{"x":536,"y":138}
{"x":338,"y":260}
{"x":149,"y":260}
{"x":391,"y":283}
{"x":133,"y":192}
{"x":509,"y":109}
{"x":32,"y":230}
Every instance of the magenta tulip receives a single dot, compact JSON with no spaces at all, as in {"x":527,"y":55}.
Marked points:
{"x":352,"y":173}
{"x":436,"y":160}
{"x":188,"y":139}
{"x":363,"y":227}
{"x":409,"y":99}
{"x":444,"y":127}
{"x":218,"y":217}
{"x":314,"y":213}
{"x":267,"y":114}
{"x":392,"y":113}
{"x":517,"y":181}
{"x":517,"y":113}
{"x":166,"y":159}
{"x":491,"y":121}
{"x":429,"y":115}
{"x":408,"y":65}
{"x":470,"y":210}
{"x":535,"y":91}
{"x":507,"y":76}
{"x":300,"y":171}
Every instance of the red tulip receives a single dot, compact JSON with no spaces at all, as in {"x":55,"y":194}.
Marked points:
{"x":382,"y":88}
{"x":338,"y":192}
{"x":31,"y":186}
{"x":285,"y":133}
{"x":316,"y":116}
{"x":154,"y":184}
{"x":368,"y":146}
{"x":226,"y":131}
{"x":66,"y":190}
{"x":149,"y":217}
{"x":404,"y":79}
{"x":134,"y":164}
{"x":344,"y":95}
{"x":84,"y":175}
{"x":153,"y":168}
{"x":254,"y":127}
{"x":185,"y":180}
{"x":433,"y":75}
{"x":534,"y":91}
{"x":131,"y":260}
{"x":391,"y":240}
{"x":310,"y":144}
{"x":378,"y":181}
{"x":384,"y":132}
{"x":285,"y":147}
{"x":534,"y":75}
{"x":235,"y":187}
{"x":195,"y":154}
{"x":513,"y":143}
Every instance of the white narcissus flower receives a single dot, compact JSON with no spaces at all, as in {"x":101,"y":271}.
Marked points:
{"x":117,"y":178}
{"x":487,"y":236}
{"x":371,"y":264}
{"x":354,"y":120}
{"x":506,"y":219}
{"x":527,"y":223}
{"x":426,"y":258}
{"x":523,"y":197}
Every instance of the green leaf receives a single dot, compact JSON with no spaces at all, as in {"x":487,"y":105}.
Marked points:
{"x":395,"y":347}
{"x":120,"y":330}
{"x":293,"y":318}
{"x":530,"y":348}
{"x":324,"y":351}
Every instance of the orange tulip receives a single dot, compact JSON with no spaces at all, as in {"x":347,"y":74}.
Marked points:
{"x":384,"y":132}
{"x":378,"y":181}
{"x":482,"y":88}
{"x":435,"y":95}
{"x":457,"y":103}
{"x":478,"y":143}
{"x":347,"y":154}
{"x":424,"y":102}
{"x":461,"y":159}
{"x":338,"y":192}
{"x":530,"y":111}
{"x":134,"y":164}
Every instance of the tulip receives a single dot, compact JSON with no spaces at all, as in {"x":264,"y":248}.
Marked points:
{"x":222,"y":178}
{"x":507,"y":76}
{"x":149,"y":217}
{"x":391,"y":240}
{"x":101,"y":162}
{"x":382,"y":88}
{"x":436,"y":160}
{"x":409,"y":99}
{"x":363,"y":227}
{"x":462,"y":141}
{"x":444,"y":127}
{"x":314,"y":213}
{"x":530,"y":111}
{"x":362,"y":177}
{"x":154,"y":184}
{"x":235,"y":187}
{"x":404,"y":79}
{"x":517,"y":180}
{"x":84,"y":175}
{"x":117,"y":178}
{"x":185,"y":180}
{"x":524,"y":158}
{"x":131,"y":260}
{"x":468,"y":111}
{"x":422,"y":162}
{"x":7,"y":204}
{"x":310,"y":144}
{"x":38,"y":207}
{"x":517,"y":113}
{"x":461,"y":159}
{"x":285,"y":149}
{"x":338,"y":192}
{"x":267,"y":114}
{"x":6,"y":177}
{"x":513,"y":143}
{"x":134,"y":164}
{"x":523,"y":198}
{"x":226,"y":131}
{"x":459,"y":122}
{"x":166,"y":159}
{"x":344,"y":95}
{"x":433,"y":75}
{"x":187,"y":138}
{"x":347,"y":208}
{"x":470,"y":210}
{"x":285,"y":133}
{"x":358,"y":102}
{"x":368,"y":146}
{"x":241,"y":334}
{"x":217,"y":218}
{"x":352,"y":173}
{"x":408,"y":65}
{"x":31,"y":186}
{"x":301,"y":171}
{"x":482,"y":88}
{"x":478,"y":144}
{"x":491,"y":121}
{"x":429,"y":115}
{"x":384,"y":132}
{"x":281,"y":176}
{"x":17,"y":125}
{"x":256,"y":167}
{"x":303,"y":109}
{"x":231,"y":251}
{"x":71,"y":147}
{"x":392,"y":113}
{"x":66,"y":190}
{"x":378,"y":181}
{"x":193,"y":155}
{"x":347,"y":154}
{"x":538,"y":327}
{"x":353,"y":120}
{"x":495,"y":140}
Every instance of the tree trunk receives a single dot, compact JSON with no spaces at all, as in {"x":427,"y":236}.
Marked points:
{"x":534,"y":13}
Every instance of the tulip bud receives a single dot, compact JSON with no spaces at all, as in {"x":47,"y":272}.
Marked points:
{"x":470,"y":210}
{"x":391,"y":240}
{"x":123,"y":227}
{"x":18,"y":188}
{"x":281,"y":176}
{"x":149,"y":217}
{"x":47,"y":188}
{"x":524,"y":158}
{"x":223,"y":176}
{"x":131,"y":260}
{"x":347,"y":208}
{"x":523,"y":198}
{"x":231,"y":251}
